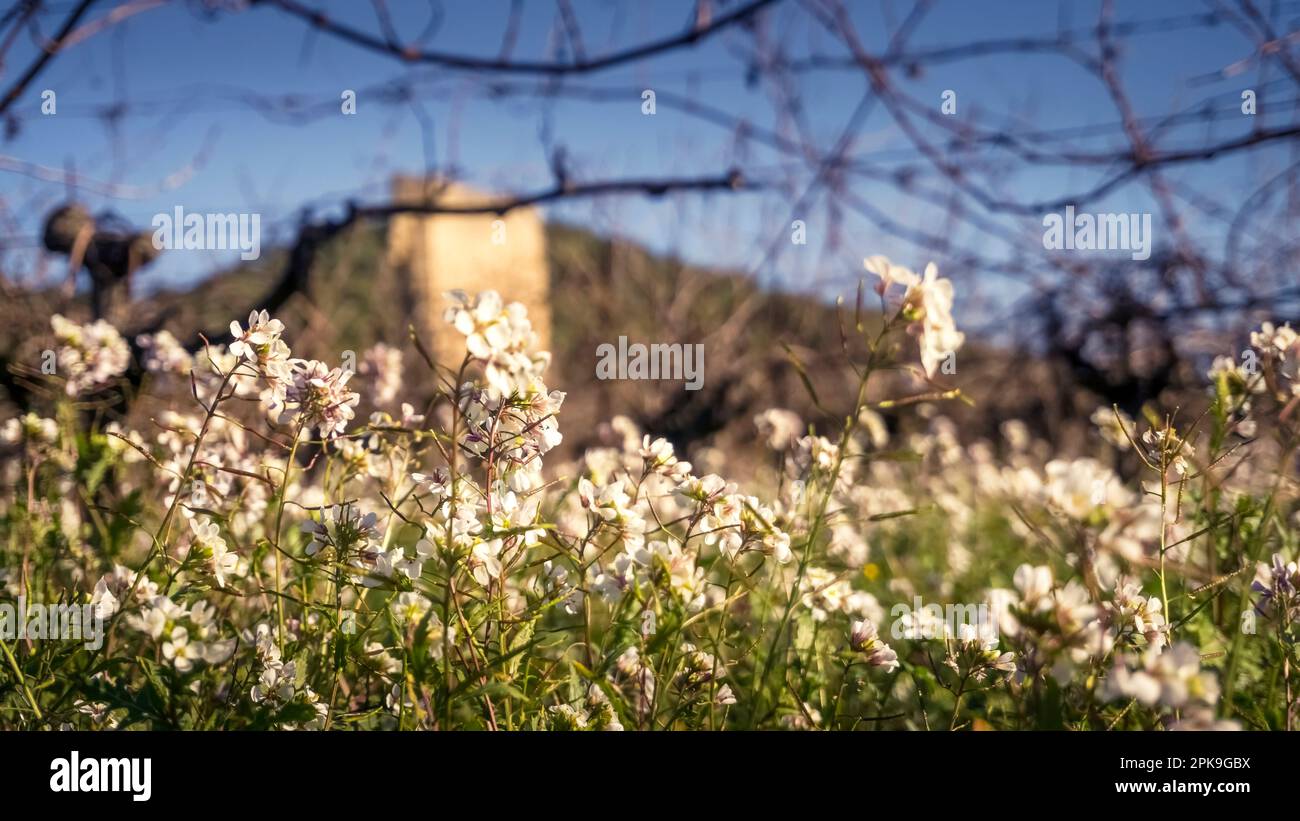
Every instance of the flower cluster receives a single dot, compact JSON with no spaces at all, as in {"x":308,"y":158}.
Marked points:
{"x":1171,"y":678}
{"x":267,"y":554}
{"x":927,"y":302}
{"x":88,"y":356}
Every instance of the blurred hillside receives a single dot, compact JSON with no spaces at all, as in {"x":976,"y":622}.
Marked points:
{"x":602,"y":289}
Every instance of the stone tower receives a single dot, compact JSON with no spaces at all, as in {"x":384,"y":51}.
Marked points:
{"x":470,"y":252}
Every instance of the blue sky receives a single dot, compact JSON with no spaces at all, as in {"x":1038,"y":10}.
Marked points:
{"x":184,"y":75}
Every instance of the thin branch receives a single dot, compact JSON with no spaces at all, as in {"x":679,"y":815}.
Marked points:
{"x":689,"y":37}
{"x":48,"y":51}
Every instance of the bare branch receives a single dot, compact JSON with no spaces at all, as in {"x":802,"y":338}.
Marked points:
{"x":689,"y":37}
{"x":48,"y":51}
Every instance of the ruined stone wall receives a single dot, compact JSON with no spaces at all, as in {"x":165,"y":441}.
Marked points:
{"x":444,"y":252}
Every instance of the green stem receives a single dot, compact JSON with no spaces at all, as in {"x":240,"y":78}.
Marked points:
{"x":22,"y":680}
{"x":279,"y":519}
